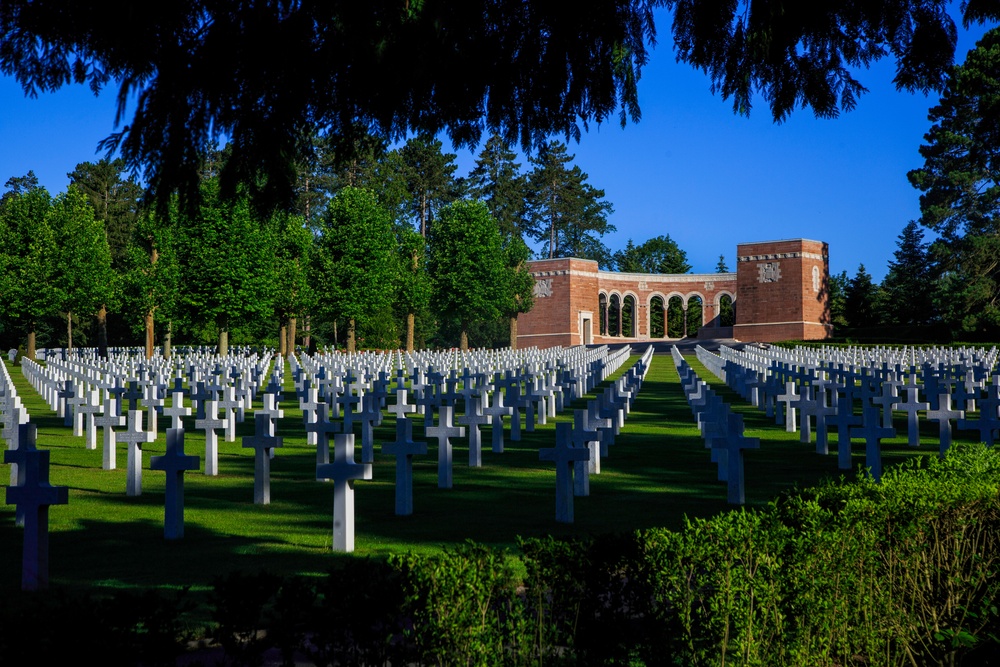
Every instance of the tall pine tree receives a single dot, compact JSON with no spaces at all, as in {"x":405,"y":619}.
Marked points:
{"x":496,"y":180}
{"x":909,"y":283}
{"x":960,"y":185}
{"x":567,"y":213}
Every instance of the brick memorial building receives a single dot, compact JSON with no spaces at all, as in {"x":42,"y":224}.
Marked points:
{"x":780,"y":291}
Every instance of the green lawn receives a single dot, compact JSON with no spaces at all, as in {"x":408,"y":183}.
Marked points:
{"x":657,"y":473}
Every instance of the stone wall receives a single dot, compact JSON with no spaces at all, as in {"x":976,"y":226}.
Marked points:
{"x":780,"y":291}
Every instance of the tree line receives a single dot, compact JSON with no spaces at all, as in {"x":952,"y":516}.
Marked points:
{"x":387,"y":248}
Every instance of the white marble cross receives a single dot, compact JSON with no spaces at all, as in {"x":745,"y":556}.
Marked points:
{"x":911,"y":406}
{"x":134,"y":437}
{"x":565,"y":456}
{"x":90,"y":407}
{"x":343,"y":471}
{"x":177,"y":411}
{"x":585,"y":437}
{"x":943,"y":416}
{"x":404,"y":449}
{"x":473,"y":419}
{"x":444,"y":432}
{"x":108,"y":423}
{"x":209,"y":424}
{"x":174,"y":463}
{"x":873,"y":433}
{"x":262,"y":442}
{"x":496,"y":413}
{"x":33,"y":496}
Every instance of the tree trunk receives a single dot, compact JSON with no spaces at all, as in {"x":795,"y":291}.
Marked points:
{"x":552,"y":225}
{"x":169,"y":340}
{"x":350,"y":335}
{"x":223,"y":343}
{"x":149,"y":334}
{"x":69,"y":332}
{"x":154,"y":255}
{"x":292,"y":325}
{"x":423,"y":215}
{"x":513,"y":333}
{"x":102,"y":332}
{"x":282,"y":340}
{"x":31,"y":342}
{"x":464,"y":341}
{"x":410,"y":320}
{"x":308,"y":339}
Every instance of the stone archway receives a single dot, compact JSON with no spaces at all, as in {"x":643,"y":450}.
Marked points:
{"x":727,"y":311}
{"x":614,"y":316}
{"x":694,"y":313}
{"x":675,"y":317}
{"x":629,"y":316}
{"x":602,"y":308}
{"x":657,"y":317}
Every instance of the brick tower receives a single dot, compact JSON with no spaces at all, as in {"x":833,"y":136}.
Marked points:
{"x":782,"y":291}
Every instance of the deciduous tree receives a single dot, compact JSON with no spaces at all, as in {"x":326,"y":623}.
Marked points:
{"x":27,"y":255}
{"x":83,"y":280}
{"x":466,"y":265}
{"x":414,"y":282}
{"x":116,"y":199}
{"x":357,"y":260}
{"x":227,"y":257}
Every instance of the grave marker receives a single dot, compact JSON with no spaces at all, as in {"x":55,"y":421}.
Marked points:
{"x":404,"y":449}
{"x":174,"y":463}
{"x":565,"y":456}
{"x":33,"y":496}
{"x":344,"y":471}
{"x":262,"y":442}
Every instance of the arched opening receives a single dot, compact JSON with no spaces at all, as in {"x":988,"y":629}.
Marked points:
{"x":602,"y":307}
{"x":694,"y":321}
{"x":727,"y":313}
{"x":675,"y":317}
{"x":657,"y":318}
{"x":614,"y":316}
{"x":628,"y":317}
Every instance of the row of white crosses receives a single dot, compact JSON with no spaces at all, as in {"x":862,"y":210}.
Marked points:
{"x":175,"y":462}
{"x":581,"y":444}
{"x":720,"y":427}
{"x":366,"y":379}
{"x":12,"y":415}
{"x":824,"y":388}
{"x":29,"y":488}
{"x":151,"y":378}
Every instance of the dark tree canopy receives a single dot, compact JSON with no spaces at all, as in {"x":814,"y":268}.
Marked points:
{"x":264,"y":73}
{"x":805,"y":54}
{"x":269,"y":74}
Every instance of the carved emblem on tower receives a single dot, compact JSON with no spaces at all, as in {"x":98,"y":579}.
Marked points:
{"x":769,"y":272}
{"x":543,"y":288}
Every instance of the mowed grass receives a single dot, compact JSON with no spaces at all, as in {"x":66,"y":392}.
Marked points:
{"x":657,"y":473}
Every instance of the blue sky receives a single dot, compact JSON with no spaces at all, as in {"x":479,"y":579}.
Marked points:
{"x":690,"y":168}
